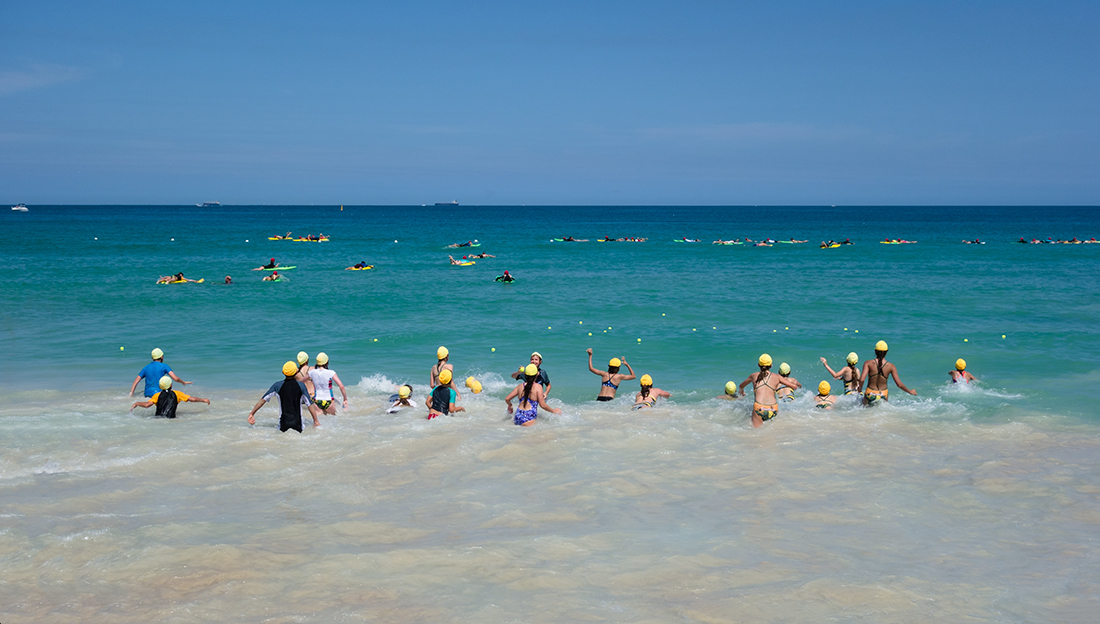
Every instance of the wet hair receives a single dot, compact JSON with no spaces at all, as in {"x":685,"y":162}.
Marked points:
{"x":613,"y":369}
{"x":645,"y":391}
{"x":529,"y":382}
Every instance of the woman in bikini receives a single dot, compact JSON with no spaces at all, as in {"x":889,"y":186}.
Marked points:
{"x":530,"y":396}
{"x":648,"y":395}
{"x":850,"y":374}
{"x":764,"y":384}
{"x":876,"y":372}
{"x":611,"y":377}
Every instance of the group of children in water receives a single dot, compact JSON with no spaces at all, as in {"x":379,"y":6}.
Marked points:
{"x":311,"y":387}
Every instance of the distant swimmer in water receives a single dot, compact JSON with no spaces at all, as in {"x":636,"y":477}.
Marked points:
{"x":403,"y":400}
{"x":799,"y":241}
{"x":292,"y":396}
{"x":824,"y":400}
{"x":849,"y":374}
{"x":648,"y":395}
{"x":730,"y":393}
{"x":876,"y":372}
{"x":178,"y":277}
{"x":228,"y":280}
{"x":785,"y":393}
{"x":506,"y":278}
{"x":362,"y":264}
{"x":765,"y":406}
{"x":457,"y":245}
{"x":544,"y":378}
{"x":270,"y":265}
{"x":959,"y":375}
{"x":973,"y":242}
{"x":323,"y":377}
{"x":274,"y":277}
{"x":167,"y":399}
{"x":611,"y":377}
{"x":443,"y":357}
{"x":531,"y":396}
{"x":441,"y":399}
{"x":453,"y":261}
{"x":481,"y":255}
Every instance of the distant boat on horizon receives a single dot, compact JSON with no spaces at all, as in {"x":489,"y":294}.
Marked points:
{"x":208,"y":204}
{"x":20,"y":208}
{"x":453,"y":202}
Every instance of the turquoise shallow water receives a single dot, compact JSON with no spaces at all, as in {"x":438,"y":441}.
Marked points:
{"x":963,"y":503}
{"x":703,"y":312}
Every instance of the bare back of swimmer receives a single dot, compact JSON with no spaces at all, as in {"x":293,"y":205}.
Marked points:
{"x":876,"y":373}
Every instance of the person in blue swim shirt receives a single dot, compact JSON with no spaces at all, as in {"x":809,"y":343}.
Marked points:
{"x":152,"y":373}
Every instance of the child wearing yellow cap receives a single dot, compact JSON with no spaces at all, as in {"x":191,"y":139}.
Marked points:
{"x":765,"y":405}
{"x":292,"y":396}
{"x":648,"y":395}
{"x":611,"y":377}
{"x":876,"y":372}
{"x":441,"y":400}
{"x":824,"y":399}
{"x":960,"y":374}
{"x":167,"y":399}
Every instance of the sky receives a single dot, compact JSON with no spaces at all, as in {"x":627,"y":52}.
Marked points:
{"x":555,"y":103}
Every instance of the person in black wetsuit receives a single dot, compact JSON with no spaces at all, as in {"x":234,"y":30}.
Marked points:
{"x":292,"y":396}
{"x":506,"y":278}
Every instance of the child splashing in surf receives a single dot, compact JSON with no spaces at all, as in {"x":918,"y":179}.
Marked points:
{"x":648,"y":395}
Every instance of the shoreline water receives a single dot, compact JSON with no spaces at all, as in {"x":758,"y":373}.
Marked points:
{"x":961,"y":503}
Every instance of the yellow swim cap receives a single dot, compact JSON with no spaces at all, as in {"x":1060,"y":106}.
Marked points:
{"x":765,"y":360}
{"x":531,"y":370}
{"x":470,"y":381}
{"x":731,"y":388}
{"x":165,"y":382}
{"x":445,"y":376}
{"x":290,"y":369}
{"x":441,"y":353}
{"x":960,"y":364}
{"x":824,"y":388}
{"x":784,"y":369}
{"x":881,"y":346}
{"x":404,"y":391}
{"x":322,"y":358}
{"x":646,"y":380}
{"x":615,"y":362}
{"x":157,"y":354}
{"x":303,"y":357}
{"x":853,"y":358}
{"x":476,"y":387}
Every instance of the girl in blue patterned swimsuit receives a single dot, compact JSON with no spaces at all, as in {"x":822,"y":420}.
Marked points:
{"x":530,"y":398}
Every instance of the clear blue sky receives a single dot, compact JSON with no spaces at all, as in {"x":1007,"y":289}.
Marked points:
{"x":633,"y":102}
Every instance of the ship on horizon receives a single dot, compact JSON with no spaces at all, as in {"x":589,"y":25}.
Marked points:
{"x":209,"y":204}
{"x":453,"y":202}
{"x":20,"y":208}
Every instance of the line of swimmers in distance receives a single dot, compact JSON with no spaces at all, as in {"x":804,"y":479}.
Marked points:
{"x":311,"y":387}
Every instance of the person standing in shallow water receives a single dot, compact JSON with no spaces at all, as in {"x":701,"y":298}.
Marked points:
{"x":611,"y":377}
{"x":849,"y":374}
{"x":765,"y":405}
{"x":876,"y":372}
{"x":443,"y":357}
{"x":292,"y":396}
{"x":152,"y":373}
{"x":531,"y":396}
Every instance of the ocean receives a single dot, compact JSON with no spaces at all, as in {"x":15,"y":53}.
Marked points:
{"x":963,"y":503}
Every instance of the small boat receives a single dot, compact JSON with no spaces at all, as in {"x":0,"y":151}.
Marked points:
{"x":209,"y":204}
{"x":20,"y":208}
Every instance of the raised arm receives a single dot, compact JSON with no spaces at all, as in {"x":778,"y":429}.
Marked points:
{"x":593,"y":368}
{"x":832,"y":372}
{"x":627,"y":364}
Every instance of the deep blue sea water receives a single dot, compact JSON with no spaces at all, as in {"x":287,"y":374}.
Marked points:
{"x":974,"y":502}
